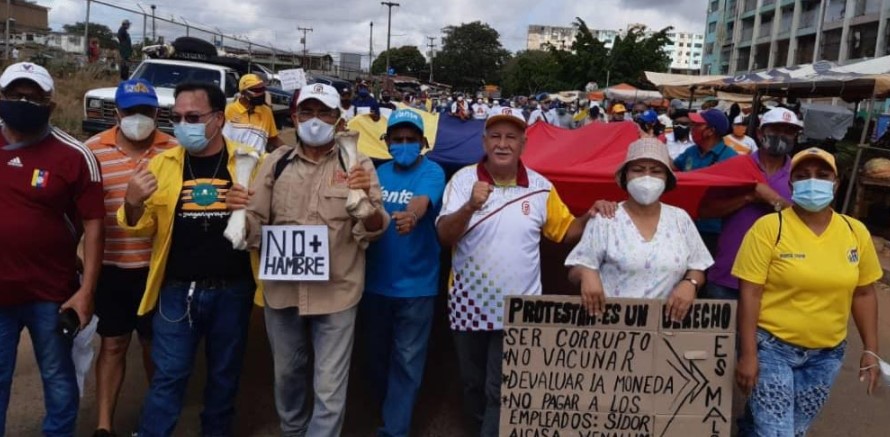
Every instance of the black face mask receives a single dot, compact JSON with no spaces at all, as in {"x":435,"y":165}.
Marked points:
{"x":777,"y":145}
{"x":386,"y":98}
{"x":681,"y":133}
{"x":24,"y":117}
{"x":257,"y":100}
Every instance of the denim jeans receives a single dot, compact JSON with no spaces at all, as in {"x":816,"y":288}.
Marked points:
{"x":715,"y":291}
{"x":398,"y":332}
{"x":331,"y":337}
{"x":792,"y":386}
{"x":479,"y":355}
{"x":220,"y":316}
{"x":53,"y":352}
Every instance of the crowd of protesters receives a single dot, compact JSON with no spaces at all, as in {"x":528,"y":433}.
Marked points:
{"x":151,"y":211}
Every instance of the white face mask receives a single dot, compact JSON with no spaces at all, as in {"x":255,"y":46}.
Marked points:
{"x":137,"y":127}
{"x":315,"y":133}
{"x":883,"y":365}
{"x":646,"y":190}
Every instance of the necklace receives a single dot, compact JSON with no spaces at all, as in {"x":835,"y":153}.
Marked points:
{"x":204,"y":194}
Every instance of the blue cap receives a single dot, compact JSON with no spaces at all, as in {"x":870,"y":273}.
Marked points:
{"x":401,"y":116}
{"x":135,"y":92}
{"x":650,"y":116}
{"x":714,"y":118}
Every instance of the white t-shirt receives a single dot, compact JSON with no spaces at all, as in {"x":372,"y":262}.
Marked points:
{"x":632,"y":267}
{"x":745,"y":146}
{"x":675,"y":148}
{"x":348,"y":114}
{"x":536,"y":116}
{"x":480,"y":111}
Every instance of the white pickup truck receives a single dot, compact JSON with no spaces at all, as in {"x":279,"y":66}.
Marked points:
{"x":164,"y":75}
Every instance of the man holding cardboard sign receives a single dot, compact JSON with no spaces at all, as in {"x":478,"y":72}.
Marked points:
{"x":313,"y":262}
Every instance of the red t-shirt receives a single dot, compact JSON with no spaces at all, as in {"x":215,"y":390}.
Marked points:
{"x":46,"y":189}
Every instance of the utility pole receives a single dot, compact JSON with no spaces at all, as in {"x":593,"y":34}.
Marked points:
{"x":154,"y":29}
{"x":432,"y":47}
{"x":86,"y":30}
{"x":303,"y":40}
{"x":388,"y":30}
{"x":371,"y":48}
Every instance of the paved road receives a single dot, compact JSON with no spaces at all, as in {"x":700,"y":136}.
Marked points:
{"x":848,"y":412}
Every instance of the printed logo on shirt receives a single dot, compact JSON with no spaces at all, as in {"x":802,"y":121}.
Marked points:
{"x":203,"y":195}
{"x":15,"y":162}
{"x":790,"y":256}
{"x":853,"y":256}
{"x":40,"y":178}
{"x":340,"y":177}
{"x":398,"y":197}
{"x":526,"y":207}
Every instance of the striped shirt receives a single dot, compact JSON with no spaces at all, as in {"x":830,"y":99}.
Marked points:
{"x":121,"y":249}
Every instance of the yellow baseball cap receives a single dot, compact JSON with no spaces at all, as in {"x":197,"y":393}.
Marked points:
{"x":249,"y":81}
{"x":814,"y":153}
{"x":618,"y":108}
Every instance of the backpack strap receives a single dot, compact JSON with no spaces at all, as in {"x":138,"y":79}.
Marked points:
{"x":779,"y":234}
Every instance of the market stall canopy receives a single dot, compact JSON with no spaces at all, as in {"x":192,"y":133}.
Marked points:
{"x":822,"y":79}
{"x":630,"y":93}
{"x":680,"y":86}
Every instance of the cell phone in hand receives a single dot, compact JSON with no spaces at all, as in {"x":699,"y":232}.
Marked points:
{"x":69,"y":323}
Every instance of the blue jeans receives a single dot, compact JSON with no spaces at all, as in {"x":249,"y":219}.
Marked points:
{"x":220,"y":316}
{"x":398,"y":332}
{"x":53,"y":353}
{"x":330,"y":336}
{"x":479,"y":357}
{"x":792,"y":386}
{"x":715,"y":291}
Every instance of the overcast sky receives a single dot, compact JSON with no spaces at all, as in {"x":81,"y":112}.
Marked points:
{"x":343,"y":25}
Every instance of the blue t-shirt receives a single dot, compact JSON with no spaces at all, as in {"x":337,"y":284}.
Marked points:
{"x":407,"y":265}
{"x":693,"y":159}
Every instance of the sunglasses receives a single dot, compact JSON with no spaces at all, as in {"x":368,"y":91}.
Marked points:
{"x":189,"y":118}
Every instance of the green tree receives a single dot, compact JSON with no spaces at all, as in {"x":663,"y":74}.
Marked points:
{"x":531,"y":72}
{"x":637,"y":52}
{"x":406,"y":60}
{"x":471,"y":56}
{"x":107,"y":38}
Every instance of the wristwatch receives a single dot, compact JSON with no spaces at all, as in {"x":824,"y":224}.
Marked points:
{"x":694,"y":283}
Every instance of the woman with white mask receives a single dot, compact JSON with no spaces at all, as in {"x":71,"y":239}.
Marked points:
{"x":803,"y":272}
{"x":650,"y":249}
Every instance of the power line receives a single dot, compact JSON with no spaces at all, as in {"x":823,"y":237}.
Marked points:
{"x":303,"y":40}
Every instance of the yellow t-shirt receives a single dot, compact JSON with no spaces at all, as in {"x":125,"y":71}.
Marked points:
{"x":808,"y":280}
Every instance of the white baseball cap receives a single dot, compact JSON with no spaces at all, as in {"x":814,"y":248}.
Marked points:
{"x":780,"y":116}
{"x":29,"y":71}
{"x":325,"y":94}
{"x":506,"y":114}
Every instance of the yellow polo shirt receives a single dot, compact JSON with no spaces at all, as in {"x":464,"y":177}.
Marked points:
{"x":808,"y":280}
{"x":252,"y":129}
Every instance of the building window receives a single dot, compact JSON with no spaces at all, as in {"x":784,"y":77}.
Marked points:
{"x":697,"y":45}
{"x":712,"y":27}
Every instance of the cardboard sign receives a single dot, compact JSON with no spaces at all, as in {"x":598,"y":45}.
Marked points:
{"x":361,"y":110}
{"x":628,"y":372}
{"x":295,"y":253}
{"x":292,"y":79}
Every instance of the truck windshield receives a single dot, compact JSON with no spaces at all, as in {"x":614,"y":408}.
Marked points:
{"x":168,"y":76}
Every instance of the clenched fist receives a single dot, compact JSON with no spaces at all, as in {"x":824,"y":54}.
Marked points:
{"x":141,"y":186}
{"x":481,"y":191}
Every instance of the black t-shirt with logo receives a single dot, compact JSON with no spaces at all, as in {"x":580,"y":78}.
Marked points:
{"x":199,"y":250}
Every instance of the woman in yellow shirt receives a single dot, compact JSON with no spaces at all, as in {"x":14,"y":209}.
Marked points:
{"x":803,"y":272}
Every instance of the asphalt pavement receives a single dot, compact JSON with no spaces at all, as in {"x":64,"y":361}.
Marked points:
{"x":849,"y":412}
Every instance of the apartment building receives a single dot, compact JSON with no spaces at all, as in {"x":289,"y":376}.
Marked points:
{"x":686,"y":51}
{"x":748,"y":35}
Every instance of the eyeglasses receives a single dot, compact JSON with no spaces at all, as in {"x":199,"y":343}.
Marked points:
{"x":324,"y":114}
{"x":189,"y":118}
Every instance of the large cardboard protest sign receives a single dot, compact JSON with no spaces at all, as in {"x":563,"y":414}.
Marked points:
{"x":629,"y":372}
{"x":295,"y":253}
{"x":292,"y":79}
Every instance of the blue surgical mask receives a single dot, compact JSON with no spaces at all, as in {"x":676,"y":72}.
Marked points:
{"x":405,"y":155}
{"x":813,"y":195}
{"x":191,"y":136}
